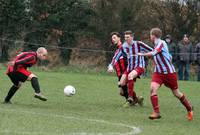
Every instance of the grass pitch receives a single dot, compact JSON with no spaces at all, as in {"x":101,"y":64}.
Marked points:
{"x":96,"y":109}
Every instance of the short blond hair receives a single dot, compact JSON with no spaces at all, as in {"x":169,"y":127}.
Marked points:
{"x":157,"y":32}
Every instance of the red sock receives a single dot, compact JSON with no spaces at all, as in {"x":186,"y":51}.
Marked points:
{"x":154,"y":102}
{"x":131,"y":92}
{"x":185,"y":102}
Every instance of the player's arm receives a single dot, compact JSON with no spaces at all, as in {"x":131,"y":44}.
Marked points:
{"x":25,"y":60}
{"x":145,"y":47}
{"x":115,"y":58}
{"x":154,"y":52}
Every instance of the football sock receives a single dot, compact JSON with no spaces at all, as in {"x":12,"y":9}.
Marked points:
{"x":154,"y":102}
{"x":35,"y":84}
{"x":11,"y":92}
{"x":131,"y":92}
{"x":185,"y":102}
{"x":125,"y":90}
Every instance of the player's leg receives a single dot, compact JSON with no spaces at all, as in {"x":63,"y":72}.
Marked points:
{"x":154,"y":101}
{"x":123,"y":89}
{"x":156,"y":82}
{"x":131,"y":92}
{"x":11,"y":92}
{"x":13,"y":89}
{"x":131,"y":80}
{"x":123,"y":84}
{"x":185,"y":102}
{"x":35,"y":84}
{"x":172,"y":82}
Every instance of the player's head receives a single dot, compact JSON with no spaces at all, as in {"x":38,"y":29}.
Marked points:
{"x":116,"y":38}
{"x":155,"y":33}
{"x":128,"y":36}
{"x":42,"y":53}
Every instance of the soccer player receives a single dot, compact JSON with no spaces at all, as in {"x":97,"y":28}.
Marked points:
{"x":120,"y":65}
{"x":164,"y":73}
{"x":136,"y":65}
{"x":18,"y":73}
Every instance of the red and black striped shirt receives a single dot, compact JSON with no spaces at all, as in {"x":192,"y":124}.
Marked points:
{"x":24,"y":60}
{"x":121,"y":63}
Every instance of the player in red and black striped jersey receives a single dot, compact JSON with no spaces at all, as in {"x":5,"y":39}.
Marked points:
{"x":121,"y":64}
{"x":18,"y":73}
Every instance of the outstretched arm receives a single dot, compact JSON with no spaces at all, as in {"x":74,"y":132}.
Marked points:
{"x":145,"y":54}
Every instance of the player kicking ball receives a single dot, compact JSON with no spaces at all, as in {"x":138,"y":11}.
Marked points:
{"x":135,"y":67}
{"x":18,"y":73}
{"x":164,"y":73}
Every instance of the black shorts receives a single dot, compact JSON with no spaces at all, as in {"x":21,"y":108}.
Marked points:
{"x":17,"y":77}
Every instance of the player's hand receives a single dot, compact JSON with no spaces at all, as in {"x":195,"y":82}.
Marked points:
{"x":110,"y":69}
{"x":140,"y":54}
{"x":11,"y":63}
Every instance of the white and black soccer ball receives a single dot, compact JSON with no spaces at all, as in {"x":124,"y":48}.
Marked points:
{"x":69,"y":90}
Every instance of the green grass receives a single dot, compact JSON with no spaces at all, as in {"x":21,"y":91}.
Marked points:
{"x":96,"y":109}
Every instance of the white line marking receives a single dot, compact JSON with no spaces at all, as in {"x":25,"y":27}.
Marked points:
{"x":134,"y":130}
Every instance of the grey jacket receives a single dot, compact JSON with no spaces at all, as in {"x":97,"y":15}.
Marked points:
{"x":197,"y":53}
{"x":185,"y":52}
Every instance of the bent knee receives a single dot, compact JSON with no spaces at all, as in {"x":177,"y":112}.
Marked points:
{"x":154,"y":88}
{"x":19,"y":85}
{"x":130,"y":77}
{"x":177,"y":93}
{"x":31,"y":76}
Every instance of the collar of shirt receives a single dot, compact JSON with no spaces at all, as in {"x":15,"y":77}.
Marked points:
{"x":127,"y":45}
{"x":119,"y":45}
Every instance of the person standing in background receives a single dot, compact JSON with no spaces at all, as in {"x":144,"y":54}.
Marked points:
{"x":197,"y":52}
{"x":184,"y":51}
{"x":172,"y":48}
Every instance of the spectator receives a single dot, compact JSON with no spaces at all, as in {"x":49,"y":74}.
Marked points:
{"x":172,"y":48}
{"x":184,"y":51}
{"x":197,"y":52}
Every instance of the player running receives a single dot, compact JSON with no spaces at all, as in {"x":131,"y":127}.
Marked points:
{"x":18,"y":73}
{"x":136,"y":65}
{"x":120,"y":65}
{"x":164,"y":73}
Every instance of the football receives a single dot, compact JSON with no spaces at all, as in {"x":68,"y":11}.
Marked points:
{"x":69,"y":90}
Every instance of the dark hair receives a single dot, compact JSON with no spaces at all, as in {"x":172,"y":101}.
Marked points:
{"x":156,"y":32}
{"x":115,"y":33}
{"x":128,"y":32}
{"x":168,"y":36}
{"x":186,"y":35}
